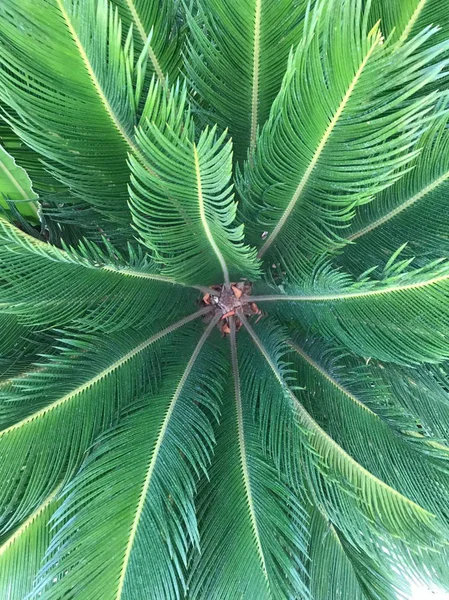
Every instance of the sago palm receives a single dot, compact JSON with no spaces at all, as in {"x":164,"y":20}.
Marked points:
{"x":224,"y":299}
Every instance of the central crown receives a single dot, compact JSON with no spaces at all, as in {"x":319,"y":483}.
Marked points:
{"x":229,"y":301}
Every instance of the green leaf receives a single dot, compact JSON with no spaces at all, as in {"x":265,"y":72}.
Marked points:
{"x":15,"y":185}
{"x":237,"y":57}
{"x":62,"y":408}
{"x":182,"y":198}
{"x":412,"y":211}
{"x":158,"y":452}
{"x":22,"y":552}
{"x":69,"y":86}
{"x":402,"y":318}
{"x":317,"y":160}
{"x":406,"y":18}
{"x":252,"y":525}
{"x":159,"y":20}
{"x":45,"y":285}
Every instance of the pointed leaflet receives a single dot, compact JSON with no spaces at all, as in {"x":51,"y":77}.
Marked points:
{"x":136,"y":490}
{"x":15,"y":185}
{"x":60,"y":409}
{"x":237,"y":57}
{"x":252,"y":525}
{"x":160,"y":19}
{"x":68,"y":85}
{"x":403,"y":318}
{"x":45,"y":285}
{"x":182,"y":198}
{"x":413,"y":211}
{"x":340,"y":129}
{"x":22,"y":552}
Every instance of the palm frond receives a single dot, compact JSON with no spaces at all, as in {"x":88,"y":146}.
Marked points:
{"x":45,"y":285}
{"x":182,"y":198}
{"x":70,"y":91}
{"x":60,"y":409}
{"x":344,"y":116}
{"x":401,"y":318}
{"x":344,"y":487}
{"x":157,"y":453}
{"x":252,"y":524}
{"x":413,"y":211}
{"x":237,"y":57}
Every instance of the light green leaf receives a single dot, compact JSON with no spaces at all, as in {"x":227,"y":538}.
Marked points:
{"x":15,"y":185}
{"x":182,"y":198}
{"x":319,"y":159}
{"x":237,"y":57}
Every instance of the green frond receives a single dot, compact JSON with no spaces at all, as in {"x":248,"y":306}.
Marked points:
{"x":339,"y":570}
{"x":159,"y":20}
{"x":60,"y":409}
{"x":137,"y":489}
{"x":402,"y":318}
{"x":237,"y":57}
{"x":182,"y":198}
{"x":15,"y":185}
{"x":348,"y":491}
{"x":406,"y":18}
{"x":413,"y":211}
{"x":45,"y":285}
{"x":71,"y":95}
{"x":340,"y":130}
{"x":253,"y":527}
{"x":22,"y":552}
{"x":344,"y":404}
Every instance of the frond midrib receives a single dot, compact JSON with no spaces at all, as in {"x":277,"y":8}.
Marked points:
{"x":29,"y":520}
{"x":412,"y":22}
{"x":256,"y":75}
{"x":144,"y":37}
{"x":98,"y":88}
{"x":313,"y":163}
{"x":242,"y":449}
{"x":204,"y":222}
{"x":351,"y":295}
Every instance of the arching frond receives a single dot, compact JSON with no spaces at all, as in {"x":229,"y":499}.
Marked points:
{"x":346,"y":409}
{"x":156,"y":453}
{"x":47,"y":285}
{"x":360,"y":135}
{"x":60,"y":409}
{"x":402,"y":318}
{"x":69,"y":88}
{"x":413,"y":211}
{"x":252,"y":525}
{"x":342,"y":485}
{"x":182,"y":200}
{"x":237,"y":57}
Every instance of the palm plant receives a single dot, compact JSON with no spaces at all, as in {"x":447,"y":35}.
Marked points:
{"x":226,"y":319}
